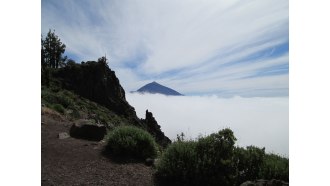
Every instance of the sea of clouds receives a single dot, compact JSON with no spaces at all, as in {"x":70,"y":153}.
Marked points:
{"x":259,"y":121}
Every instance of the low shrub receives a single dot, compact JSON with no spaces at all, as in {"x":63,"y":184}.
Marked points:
{"x":61,"y":98}
{"x":275,"y":167}
{"x":215,"y":152}
{"x":131,"y":142}
{"x":59,"y":108}
{"x":177,"y":165}
{"x":207,"y":161}
{"x":248,"y":162}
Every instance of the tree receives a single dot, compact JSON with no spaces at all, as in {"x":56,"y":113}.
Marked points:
{"x":103,"y":60}
{"x":51,"y":51}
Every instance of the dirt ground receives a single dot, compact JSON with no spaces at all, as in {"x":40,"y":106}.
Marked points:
{"x":79,"y":162}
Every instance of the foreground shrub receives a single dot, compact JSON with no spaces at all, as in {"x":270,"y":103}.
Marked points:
{"x":214,"y":160}
{"x":215,"y":153}
{"x":275,"y":167}
{"x":248,"y":162}
{"x":205,"y":162}
{"x":132,"y":142}
{"x":177,"y":165}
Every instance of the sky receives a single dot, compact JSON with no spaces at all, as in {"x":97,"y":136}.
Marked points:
{"x":224,"y":48}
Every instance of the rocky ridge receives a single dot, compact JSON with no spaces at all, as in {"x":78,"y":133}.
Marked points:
{"x":98,"y":83}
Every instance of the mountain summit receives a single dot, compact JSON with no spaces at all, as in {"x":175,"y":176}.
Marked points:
{"x":156,"y":88}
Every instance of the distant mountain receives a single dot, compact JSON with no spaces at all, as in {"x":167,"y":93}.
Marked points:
{"x":156,"y":88}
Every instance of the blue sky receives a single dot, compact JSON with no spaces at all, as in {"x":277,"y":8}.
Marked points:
{"x":225,"y":48}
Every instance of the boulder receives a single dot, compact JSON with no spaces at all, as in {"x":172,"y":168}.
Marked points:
{"x":63,"y":135}
{"x":88,"y":131}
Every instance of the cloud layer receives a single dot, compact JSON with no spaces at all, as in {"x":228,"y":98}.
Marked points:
{"x":263,"y":122}
{"x":198,"y":47}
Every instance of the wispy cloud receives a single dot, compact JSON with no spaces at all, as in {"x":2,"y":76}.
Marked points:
{"x":255,"y":121}
{"x":191,"y":45}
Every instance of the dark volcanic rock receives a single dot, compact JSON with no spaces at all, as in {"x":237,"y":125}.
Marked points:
{"x":261,"y":182}
{"x":88,"y":132}
{"x":154,"y":129}
{"x":97,"y":82}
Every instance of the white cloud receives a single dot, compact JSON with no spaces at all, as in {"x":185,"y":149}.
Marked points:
{"x":263,"y":122}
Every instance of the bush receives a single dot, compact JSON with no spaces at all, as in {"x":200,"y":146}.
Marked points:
{"x":61,"y":98}
{"x":132,"y":142}
{"x":205,"y":162}
{"x":215,"y":152}
{"x":275,"y":167}
{"x":178,"y":164}
{"x":248,"y":163}
{"x":59,"y":108}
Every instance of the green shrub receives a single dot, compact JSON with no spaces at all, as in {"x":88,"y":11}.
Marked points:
{"x":75,"y":114}
{"x":59,"y":108}
{"x":178,"y":164}
{"x":132,"y":142}
{"x":61,"y":98}
{"x":215,"y":152}
{"x":48,"y":97}
{"x":64,"y":100}
{"x":275,"y":167}
{"x":207,"y":161}
{"x":248,"y":162}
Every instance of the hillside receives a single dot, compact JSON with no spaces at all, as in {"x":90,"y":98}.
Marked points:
{"x":92,"y":91}
{"x":88,"y":94}
{"x":156,"y":88}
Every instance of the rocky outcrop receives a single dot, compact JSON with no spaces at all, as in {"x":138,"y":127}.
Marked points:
{"x":97,"y":82}
{"x":154,"y":129}
{"x":272,"y":182}
{"x":88,"y":131}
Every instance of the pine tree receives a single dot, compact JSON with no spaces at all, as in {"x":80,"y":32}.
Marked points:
{"x":51,"y":51}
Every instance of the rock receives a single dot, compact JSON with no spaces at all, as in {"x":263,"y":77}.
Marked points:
{"x":149,"y":161}
{"x":88,"y":131}
{"x":69,"y":111}
{"x":154,"y":129}
{"x":248,"y":183}
{"x":63,"y":135}
{"x":262,"y":182}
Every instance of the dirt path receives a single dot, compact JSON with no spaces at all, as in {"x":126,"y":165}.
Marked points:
{"x":79,"y":162}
